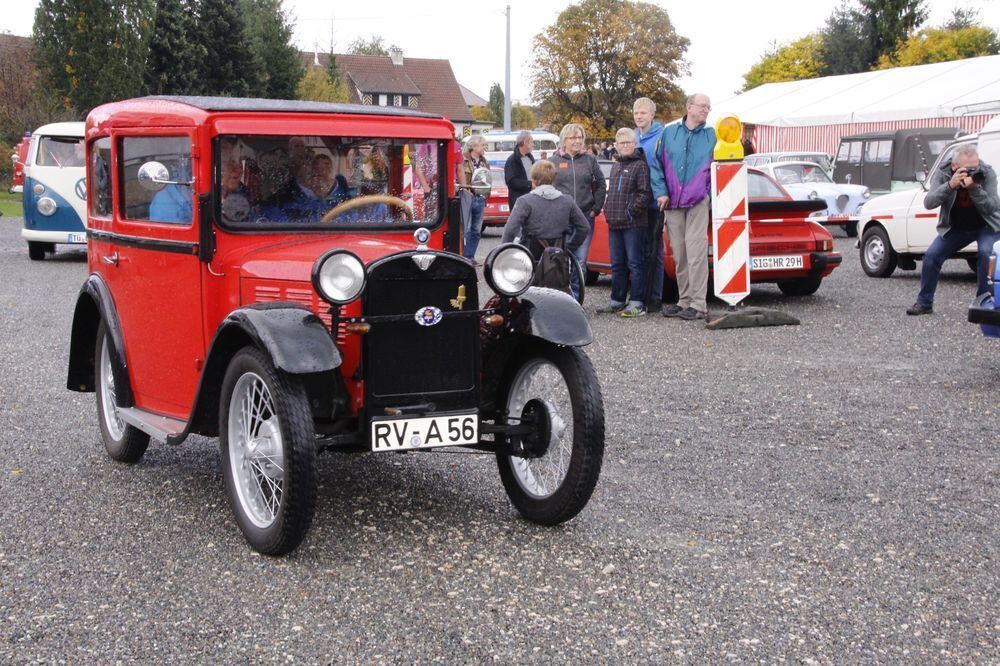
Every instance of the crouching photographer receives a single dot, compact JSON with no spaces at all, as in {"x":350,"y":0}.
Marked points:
{"x":966,"y":191}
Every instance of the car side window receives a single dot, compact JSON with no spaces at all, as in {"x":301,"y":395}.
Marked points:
{"x":843,"y":152}
{"x":100,"y":177}
{"x":761,"y":187}
{"x":172,"y":203}
{"x":877,"y":152}
{"x":855,"y":155}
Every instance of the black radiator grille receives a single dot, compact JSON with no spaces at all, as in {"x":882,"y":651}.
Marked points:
{"x":407,"y":363}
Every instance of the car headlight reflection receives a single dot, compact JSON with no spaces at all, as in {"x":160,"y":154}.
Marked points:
{"x":813,"y":195}
{"x":338,"y":276}
{"x":46,"y":206}
{"x":866,"y":194}
{"x":509,"y":269}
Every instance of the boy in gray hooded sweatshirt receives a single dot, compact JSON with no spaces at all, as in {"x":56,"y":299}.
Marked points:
{"x":545,"y":214}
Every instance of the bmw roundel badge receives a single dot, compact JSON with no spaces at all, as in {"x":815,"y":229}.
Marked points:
{"x":427,"y":316}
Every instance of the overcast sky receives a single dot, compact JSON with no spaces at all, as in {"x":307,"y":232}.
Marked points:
{"x":470,"y":33}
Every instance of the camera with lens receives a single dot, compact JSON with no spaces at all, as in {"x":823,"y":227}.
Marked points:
{"x":976,"y":175}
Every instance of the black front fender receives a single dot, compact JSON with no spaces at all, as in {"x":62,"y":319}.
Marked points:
{"x":294,"y":337}
{"x":552,"y":315}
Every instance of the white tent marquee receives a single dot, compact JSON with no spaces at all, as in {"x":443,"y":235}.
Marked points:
{"x":814,"y":114}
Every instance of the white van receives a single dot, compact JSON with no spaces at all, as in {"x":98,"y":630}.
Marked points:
{"x":55,"y":192}
{"x":499,"y":145}
{"x":896,"y":229}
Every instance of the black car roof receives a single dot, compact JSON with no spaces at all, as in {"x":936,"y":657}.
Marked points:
{"x":949,"y":132}
{"x":287,"y":105}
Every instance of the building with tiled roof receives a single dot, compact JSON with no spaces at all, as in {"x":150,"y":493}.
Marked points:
{"x":426,"y":84}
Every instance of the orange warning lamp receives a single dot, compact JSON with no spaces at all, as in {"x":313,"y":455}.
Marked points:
{"x":728,"y":132}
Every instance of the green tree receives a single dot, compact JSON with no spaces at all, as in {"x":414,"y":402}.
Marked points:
{"x":333,"y":72}
{"x":582,"y":69}
{"x":93,"y":51}
{"x":522,"y":117}
{"x":373,"y":46}
{"x":27,"y":100}
{"x":496,"y":103}
{"x":230,"y":66}
{"x":846,"y":46}
{"x":315,"y":85}
{"x":269,"y":33}
{"x":962,"y":17}
{"x":482,"y":113}
{"x":942,"y":45}
{"x":801,"y":59}
{"x":890,"y":22}
{"x":175,"y":56}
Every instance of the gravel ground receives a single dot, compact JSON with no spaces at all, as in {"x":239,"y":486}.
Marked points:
{"x":823,"y":493}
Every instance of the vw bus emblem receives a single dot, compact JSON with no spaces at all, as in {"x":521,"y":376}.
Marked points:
{"x":428,"y":315}
{"x":81,"y":189}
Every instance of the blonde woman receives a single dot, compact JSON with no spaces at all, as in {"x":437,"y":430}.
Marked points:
{"x":473,"y":205}
{"x":579,"y":177}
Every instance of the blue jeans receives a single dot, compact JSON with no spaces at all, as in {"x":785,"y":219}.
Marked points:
{"x":627,"y":265}
{"x":473,"y":227}
{"x":943,"y":248}
{"x":581,"y":255}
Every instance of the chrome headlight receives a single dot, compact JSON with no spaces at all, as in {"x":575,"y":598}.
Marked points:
{"x":813,"y":195}
{"x":509,"y":269}
{"x":866,"y":194}
{"x":46,"y":206}
{"x":339,"y":276}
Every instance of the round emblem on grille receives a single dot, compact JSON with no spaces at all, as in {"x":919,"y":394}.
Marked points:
{"x":81,"y":189}
{"x":427,"y":316}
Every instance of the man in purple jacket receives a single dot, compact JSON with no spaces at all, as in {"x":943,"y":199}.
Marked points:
{"x":681,"y":181}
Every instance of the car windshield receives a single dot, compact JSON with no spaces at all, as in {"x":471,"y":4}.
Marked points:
{"x":498,"y":178}
{"x":61,"y":151}
{"x":760,"y":186}
{"x":329,"y":182}
{"x":790,"y":174}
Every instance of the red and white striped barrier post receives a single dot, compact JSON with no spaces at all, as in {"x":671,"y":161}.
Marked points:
{"x":730,"y":231}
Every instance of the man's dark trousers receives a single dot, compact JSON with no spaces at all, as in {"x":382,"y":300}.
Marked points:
{"x":653,"y":259}
{"x":944,"y":247}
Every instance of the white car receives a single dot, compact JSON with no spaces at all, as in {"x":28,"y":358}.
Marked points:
{"x":896,"y":229}
{"x":807,"y":180}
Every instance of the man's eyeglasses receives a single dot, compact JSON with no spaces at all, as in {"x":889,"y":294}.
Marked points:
{"x":624,"y":143}
{"x":707,"y":107}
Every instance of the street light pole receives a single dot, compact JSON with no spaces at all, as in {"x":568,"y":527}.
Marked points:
{"x":506,"y":89}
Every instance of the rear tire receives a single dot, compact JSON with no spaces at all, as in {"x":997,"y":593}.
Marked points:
{"x":973,"y":263}
{"x":878,"y":259}
{"x":36,"y":250}
{"x":123,"y":442}
{"x":800,"y":287}
{"x":560,"y":383}
{"x":268,"y":446}
{"x":591,"y":278}
{"x":851,"y":229}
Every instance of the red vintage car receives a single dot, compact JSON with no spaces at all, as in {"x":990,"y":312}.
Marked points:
{"x":785,"y":246}
{"x":19,"y":158}
{"x":497,"y":208}
{"x":257,"y":273}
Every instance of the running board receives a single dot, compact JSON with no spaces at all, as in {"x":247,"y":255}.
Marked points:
{"x":161,"y":428}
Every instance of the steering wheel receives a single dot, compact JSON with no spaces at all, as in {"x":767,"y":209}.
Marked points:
{"x":365,"y":200}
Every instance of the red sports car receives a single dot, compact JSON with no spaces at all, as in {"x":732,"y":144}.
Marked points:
{"x":785,"y":246}
{"x":497,"y":208}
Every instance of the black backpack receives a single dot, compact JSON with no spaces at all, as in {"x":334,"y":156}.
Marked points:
{"x":554,"y":266}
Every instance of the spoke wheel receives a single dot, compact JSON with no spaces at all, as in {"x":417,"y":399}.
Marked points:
{"x":268,"y":452}
{"x":556,"y":389}
{"x":123,"y":442}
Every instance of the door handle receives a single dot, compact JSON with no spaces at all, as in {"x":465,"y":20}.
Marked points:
{"x":112,"y":260}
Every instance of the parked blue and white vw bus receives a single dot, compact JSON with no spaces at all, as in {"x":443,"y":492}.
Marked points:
{"x":55,"y":195}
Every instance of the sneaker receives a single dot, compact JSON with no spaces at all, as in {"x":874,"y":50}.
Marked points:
{"x":918,"y":309}
{"x":611,"y":308}
{"x":631,"y":312}
{"x":690,"y":314}
{"x":672,"y":310}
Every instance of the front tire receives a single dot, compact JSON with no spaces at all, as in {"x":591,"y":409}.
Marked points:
{"x":123,"y":442}
{"x":559,"y":387}
{"x":36,"y":250}
{"x":878,"y":259}
{"x":268,"y":448}
{"x":800,"y":287}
